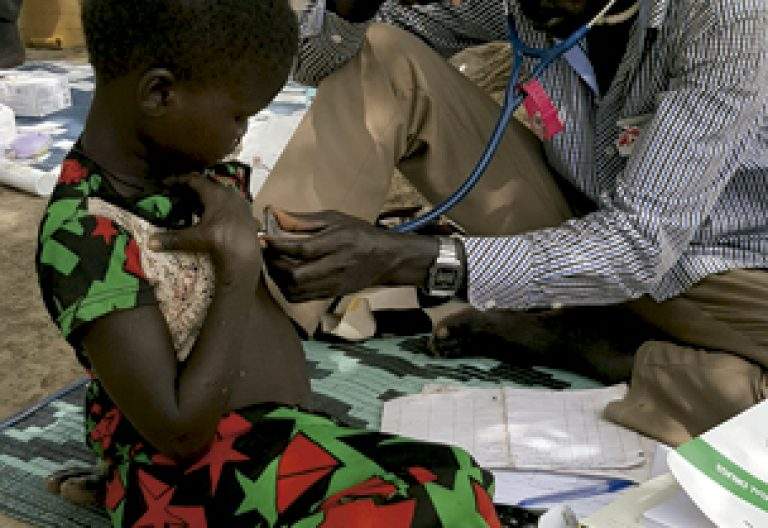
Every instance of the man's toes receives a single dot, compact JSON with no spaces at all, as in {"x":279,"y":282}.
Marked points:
{"x":444,"y":347}
{"x":452,"y":337}
{"x":85,"y":490}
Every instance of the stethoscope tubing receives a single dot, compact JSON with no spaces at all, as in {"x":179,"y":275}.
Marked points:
{"x":513,"y":98}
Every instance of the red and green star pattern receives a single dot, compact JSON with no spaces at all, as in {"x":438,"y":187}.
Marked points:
{"x":271,"y":466}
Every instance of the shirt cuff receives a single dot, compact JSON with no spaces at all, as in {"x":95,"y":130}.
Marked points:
{"x":500,"y":272}
{"x":311,"y":19}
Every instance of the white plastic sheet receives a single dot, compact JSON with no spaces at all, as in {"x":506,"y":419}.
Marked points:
{"x":34,"y":93}
{"x":25,"y":178}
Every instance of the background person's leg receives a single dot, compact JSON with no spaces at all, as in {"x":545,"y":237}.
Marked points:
{"x":398,"y":104}
{"x":11,"y":47}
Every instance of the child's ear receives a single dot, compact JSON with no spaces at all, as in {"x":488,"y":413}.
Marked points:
{"x":157,"y":92}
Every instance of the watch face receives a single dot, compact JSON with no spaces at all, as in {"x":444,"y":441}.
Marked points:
{"x":445,"y":278}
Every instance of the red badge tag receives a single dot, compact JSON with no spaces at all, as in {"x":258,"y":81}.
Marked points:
{"x":627,"y":139}
{"x":542,"y":112}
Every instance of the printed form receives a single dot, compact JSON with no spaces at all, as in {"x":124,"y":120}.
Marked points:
{"x":521,"y":428}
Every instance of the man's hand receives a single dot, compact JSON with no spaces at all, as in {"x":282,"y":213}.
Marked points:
{"x":340,"y":254}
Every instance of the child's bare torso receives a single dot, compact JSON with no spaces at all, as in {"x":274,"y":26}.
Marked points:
{"x":184,"y":286}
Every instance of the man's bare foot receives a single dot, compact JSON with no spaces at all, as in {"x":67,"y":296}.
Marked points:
{"x":511,"y":336}
{"x":82,"y":486}
{"x":597,"y":342}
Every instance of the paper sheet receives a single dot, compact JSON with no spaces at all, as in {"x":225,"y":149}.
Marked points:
{"x":566,"y":430}
{"x":677,"y":512}
{"x":521,"y":428}
{"x":472,"y":419}
{"x":515,"y":486}
{"x":725,"y":470}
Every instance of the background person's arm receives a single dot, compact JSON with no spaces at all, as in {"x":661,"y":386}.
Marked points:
{"x":445,"y":27}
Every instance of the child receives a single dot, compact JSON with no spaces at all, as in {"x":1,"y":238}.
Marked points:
{"x":195,"y":405}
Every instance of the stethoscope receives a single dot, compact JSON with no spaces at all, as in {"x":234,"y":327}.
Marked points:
{"x":513,"y":98}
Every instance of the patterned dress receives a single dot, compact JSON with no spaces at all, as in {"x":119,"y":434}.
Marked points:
{"x":269,"y":465}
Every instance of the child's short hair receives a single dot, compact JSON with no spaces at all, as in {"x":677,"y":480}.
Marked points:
{"x":195,"y":39}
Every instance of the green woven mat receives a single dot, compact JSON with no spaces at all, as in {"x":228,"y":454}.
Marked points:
{"x":350,"y":382}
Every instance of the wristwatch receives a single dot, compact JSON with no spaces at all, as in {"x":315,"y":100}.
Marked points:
{"x":447,"y":272}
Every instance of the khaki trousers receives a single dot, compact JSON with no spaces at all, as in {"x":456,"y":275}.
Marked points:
{"x":399,"y":106}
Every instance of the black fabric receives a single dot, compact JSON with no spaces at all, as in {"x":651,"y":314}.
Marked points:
{"x":9,"y":12}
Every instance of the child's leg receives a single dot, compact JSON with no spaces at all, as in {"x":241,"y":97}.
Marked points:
{"x":376,"y":479}
{"x":277,"y":466}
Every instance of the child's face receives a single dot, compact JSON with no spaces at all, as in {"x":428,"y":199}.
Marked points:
{"x":204,"y":124}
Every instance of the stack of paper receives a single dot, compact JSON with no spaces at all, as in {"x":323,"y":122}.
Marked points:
{"x":725,"y":470}
{"x":522,"y":428}
{"x":678,"y":511}
{"x":717,"y":479}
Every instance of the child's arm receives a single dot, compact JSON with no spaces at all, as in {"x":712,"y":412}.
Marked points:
{"x":178,"y":409}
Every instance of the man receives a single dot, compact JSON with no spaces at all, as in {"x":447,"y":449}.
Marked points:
{"x":652,"y":203}
{"x":11,"y":48}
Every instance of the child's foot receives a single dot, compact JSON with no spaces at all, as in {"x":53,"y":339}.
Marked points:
{"x":82,"y":486}
{"x":11,"y":47}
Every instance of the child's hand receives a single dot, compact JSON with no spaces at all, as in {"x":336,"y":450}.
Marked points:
{"x":227,"y":230}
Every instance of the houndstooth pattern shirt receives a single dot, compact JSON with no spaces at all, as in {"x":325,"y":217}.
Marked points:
{"x":690,"y":200}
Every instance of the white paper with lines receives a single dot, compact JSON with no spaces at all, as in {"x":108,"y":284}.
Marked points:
{"x":566,"y":430}
{"x":472,"y":419}
{"x":521,"y":428}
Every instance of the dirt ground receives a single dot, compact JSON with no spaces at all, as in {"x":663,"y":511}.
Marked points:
{"x":34,"y":359}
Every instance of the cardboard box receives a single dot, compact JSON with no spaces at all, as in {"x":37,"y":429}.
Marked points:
{"x":34,"y":93}
{"x":52,"y":24}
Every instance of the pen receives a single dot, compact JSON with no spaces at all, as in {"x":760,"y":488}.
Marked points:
{"x":609,"y":486}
